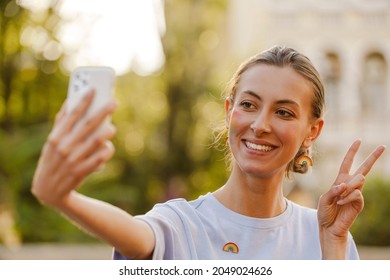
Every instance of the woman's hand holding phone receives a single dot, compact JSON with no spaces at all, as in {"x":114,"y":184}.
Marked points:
{"x":78,"y":144}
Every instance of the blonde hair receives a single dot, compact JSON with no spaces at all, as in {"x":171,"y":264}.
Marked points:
{"x":284,"y":57}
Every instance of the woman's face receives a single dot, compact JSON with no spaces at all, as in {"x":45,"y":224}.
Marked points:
{"x":269,"y":119}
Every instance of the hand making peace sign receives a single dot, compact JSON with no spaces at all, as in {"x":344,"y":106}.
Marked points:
{"x":339,"y":207}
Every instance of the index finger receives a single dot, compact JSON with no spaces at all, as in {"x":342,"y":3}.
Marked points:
{"x":348,"y":159}
{"x":366,"y":166}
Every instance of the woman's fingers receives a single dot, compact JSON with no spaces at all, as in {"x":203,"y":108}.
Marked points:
{"x":357,"y":182}
{"x":358,"y":179}
{"x":88,"y":130}
{"x":65,"y":121}
{"x":90,"y":145}
{"x":366,"y":166}
{"x":354,"y":196}
{"x":333,"y":193}
{"x":79,"y":111}
{"x":73,"y":133}
{"x":69,"y":151}
{"x":97,"y":159}
{"x":349,"y":157}
{"x":77,"y":145}
{"x":345,"y":189}
{"x":86,"y":127}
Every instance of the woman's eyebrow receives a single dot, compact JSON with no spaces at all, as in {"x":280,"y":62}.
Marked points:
{"x":287,"y":101}
{"x":281,"y":101}
{"x":255,"y":95}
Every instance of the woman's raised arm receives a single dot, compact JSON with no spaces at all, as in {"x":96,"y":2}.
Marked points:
{"x":75,"y":148}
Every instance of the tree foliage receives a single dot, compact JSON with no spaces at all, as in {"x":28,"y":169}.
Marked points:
{"x":30,"y":94}
{"x":371,"y":226}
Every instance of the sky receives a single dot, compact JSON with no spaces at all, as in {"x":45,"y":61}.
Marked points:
{"x":123,"y":34}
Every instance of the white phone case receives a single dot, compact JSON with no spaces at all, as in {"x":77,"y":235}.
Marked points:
{"x":99,"y":78}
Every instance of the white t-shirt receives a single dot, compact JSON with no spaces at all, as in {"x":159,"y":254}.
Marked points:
{"x":205,"y":229}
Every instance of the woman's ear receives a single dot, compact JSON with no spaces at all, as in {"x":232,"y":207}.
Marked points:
{"x":228,"y":109}
{"x":315,"y":131}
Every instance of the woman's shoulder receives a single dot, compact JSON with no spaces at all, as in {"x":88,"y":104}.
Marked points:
{"x":300,"y":207}
{"x":181,"y":205}
{"x":303,"y":213}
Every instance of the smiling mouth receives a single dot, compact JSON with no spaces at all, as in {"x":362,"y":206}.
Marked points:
{"x":262,"y":148}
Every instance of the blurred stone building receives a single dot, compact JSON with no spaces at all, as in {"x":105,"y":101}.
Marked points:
{"x":349,"y":43}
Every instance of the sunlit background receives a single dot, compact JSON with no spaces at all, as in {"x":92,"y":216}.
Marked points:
{"x":173,"y":59}
{"x":122,"y":34}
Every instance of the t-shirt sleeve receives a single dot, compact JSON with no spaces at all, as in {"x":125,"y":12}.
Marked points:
{"x":352,"y":252}
{"x":169,"y":231}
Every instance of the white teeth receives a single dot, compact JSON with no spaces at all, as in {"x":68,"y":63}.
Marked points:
{"x":262,"y":148}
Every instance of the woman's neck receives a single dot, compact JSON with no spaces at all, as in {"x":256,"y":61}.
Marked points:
{"x":259,"y":197}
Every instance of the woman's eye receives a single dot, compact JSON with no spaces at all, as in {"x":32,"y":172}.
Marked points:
{"x":284,"y":113}
{"x":247,"y":105}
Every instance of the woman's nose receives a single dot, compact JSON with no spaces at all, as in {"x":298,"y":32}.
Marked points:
{"x":261,"y":124}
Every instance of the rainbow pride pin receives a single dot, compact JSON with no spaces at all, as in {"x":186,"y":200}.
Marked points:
{"x":231,"y":247}
{"x":305,"y":160}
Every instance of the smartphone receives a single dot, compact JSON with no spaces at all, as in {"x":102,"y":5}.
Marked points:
{"x":83,"y":79}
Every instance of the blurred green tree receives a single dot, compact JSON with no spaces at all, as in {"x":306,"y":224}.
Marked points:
{"x":30,"y":83}
{"x":178,"y":108}
{"x":371,"y":226}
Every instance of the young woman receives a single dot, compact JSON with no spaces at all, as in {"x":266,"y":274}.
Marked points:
{"x":274,"y":112}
